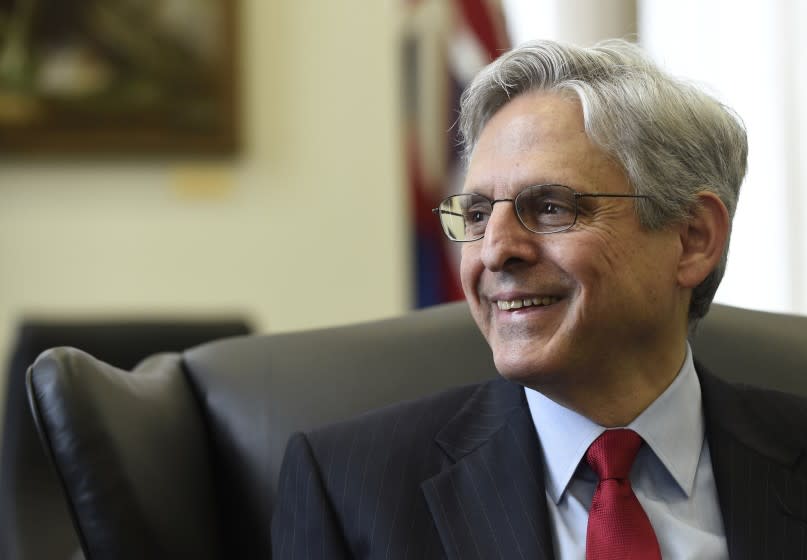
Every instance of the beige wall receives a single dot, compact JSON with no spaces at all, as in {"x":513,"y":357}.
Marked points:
{"x":304,"y":230}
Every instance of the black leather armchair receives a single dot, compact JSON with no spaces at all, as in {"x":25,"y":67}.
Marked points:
{"x":181,"y":458}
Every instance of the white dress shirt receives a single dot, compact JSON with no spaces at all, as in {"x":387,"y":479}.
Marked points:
{"x":672,"y":475}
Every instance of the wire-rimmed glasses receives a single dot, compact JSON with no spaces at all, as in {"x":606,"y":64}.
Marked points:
{"x":540,"y":209}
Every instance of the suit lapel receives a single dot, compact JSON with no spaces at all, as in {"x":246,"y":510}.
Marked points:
{"x":756,"y":441}
{"x":491,"y":503}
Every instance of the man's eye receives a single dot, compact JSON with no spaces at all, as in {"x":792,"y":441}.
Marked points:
{"x":551,"y":208}
{"x":476,"y":216}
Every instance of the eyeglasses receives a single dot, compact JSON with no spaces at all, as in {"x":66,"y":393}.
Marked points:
{"x":540,"y":209}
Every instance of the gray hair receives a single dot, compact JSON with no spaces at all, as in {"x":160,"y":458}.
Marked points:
{"x":672,"y":139}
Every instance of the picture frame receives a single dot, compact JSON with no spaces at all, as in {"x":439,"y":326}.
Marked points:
{"x":128,"y":77}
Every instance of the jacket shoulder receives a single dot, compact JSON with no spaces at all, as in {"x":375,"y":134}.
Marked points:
{"x":754,"y":413}
{"x":370,"y":470}
{"x":405,"y":423}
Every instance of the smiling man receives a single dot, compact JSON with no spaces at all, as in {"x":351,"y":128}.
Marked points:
{"x":618,"y":293}
{"x":594,"y":223}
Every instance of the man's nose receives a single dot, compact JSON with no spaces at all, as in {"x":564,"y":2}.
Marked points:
{"x":507,"y":241}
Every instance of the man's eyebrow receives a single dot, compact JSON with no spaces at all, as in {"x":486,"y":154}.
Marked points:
{"x":475,"y":189}
{"x":515,"y":189}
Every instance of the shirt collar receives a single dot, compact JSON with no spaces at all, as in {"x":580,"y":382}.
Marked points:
{"x":672,"y":426}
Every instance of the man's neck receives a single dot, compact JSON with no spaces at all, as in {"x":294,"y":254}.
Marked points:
{"x":616,"y":396}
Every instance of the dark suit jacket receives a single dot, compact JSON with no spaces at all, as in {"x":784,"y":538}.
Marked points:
{"x":460,"y":475}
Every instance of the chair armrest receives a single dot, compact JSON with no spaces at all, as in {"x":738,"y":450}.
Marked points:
{"x":130,"y":451}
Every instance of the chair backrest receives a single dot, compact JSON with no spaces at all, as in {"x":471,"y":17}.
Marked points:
{"x":754,"y":347}
{"x":181,"y":459}
{"x":30,"y":494}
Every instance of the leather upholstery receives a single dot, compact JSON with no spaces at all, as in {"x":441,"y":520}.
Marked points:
{"x":30,"y":494}
{"x":182,"y":458}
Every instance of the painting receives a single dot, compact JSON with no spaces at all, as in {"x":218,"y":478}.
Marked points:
{"x":118,"y":76}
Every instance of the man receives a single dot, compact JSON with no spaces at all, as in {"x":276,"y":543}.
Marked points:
{"x":595,"y":219}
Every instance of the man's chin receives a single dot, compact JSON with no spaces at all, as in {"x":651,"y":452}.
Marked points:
{"x":523,"y":370}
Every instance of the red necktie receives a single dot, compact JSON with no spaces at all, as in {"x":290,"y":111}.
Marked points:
{"x":618,"y":527}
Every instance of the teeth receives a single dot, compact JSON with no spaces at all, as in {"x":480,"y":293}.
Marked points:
{"x":507,"y":305}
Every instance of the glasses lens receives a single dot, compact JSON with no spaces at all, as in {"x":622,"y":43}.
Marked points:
{"x":546,"y":208}
{"x":465,"y":216}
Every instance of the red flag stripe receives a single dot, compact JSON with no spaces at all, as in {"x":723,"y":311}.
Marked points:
{"x":483,"y":22}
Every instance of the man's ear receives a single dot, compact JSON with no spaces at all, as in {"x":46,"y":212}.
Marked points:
{"x":703,"y":238}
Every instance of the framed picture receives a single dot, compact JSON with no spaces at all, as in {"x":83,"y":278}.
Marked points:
{"x":118,"y":76}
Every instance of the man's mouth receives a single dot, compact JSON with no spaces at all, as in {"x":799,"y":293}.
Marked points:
{"x":539,"y":301}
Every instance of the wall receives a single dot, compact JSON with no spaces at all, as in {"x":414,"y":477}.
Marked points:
{"x":304,"y":230}
{"x":751,"y":55}
{"x":583,"y":22}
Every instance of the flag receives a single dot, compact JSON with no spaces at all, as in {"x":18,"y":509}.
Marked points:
{"x":446,"y":42}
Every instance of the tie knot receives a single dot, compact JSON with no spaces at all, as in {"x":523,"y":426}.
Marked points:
{"x":612,"y":454}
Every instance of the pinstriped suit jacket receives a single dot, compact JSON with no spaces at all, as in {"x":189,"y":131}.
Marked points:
{"x":459,"y":475}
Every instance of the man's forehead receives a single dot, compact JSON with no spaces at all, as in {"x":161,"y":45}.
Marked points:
{"x":540,"y":113}
{"x":544,"y":125}
{"x":529,"y":119}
